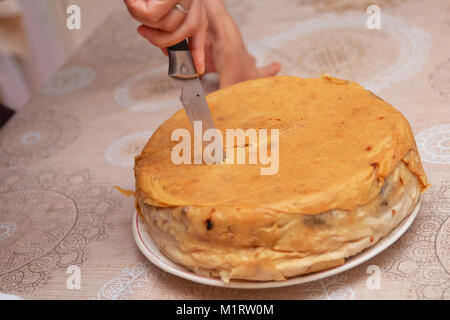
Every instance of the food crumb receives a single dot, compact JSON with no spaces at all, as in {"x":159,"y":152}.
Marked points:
{"x":126,"y":193}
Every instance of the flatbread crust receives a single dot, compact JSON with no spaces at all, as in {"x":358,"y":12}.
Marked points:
{"x":259,"y":244}
{"x":338,"y":144}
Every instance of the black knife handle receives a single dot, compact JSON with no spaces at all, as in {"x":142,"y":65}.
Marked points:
{"x":181,"y":46}
{"x":181,"y":65}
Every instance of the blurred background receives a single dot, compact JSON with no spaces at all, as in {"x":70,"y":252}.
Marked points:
{"x":34,"y":42}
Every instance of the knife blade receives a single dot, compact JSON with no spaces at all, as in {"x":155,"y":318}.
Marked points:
{"x":194,"y":102}
{"x":185,"y":77}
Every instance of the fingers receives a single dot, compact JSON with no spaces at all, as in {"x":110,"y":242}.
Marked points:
{"x":197,"y":44}
{"x":164,"y":26}
{"x":164,"y":50}
{"x":188,"y":28}
{"x":269,"y":70}
{"x":170,"y":22}
{"x":150,"y":11}
{"x":244,"y":70}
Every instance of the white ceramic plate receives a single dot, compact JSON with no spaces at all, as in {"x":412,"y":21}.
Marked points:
{"x":151,"y":251}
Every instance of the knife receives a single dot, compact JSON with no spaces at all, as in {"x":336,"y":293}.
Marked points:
{"x":185,"y":77}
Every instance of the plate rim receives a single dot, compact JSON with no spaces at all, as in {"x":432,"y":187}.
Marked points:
{"x":138,"y":228}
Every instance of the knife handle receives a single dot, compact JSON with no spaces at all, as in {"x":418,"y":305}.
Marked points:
{"x":181,"y":65}
{"x":181,"y":46}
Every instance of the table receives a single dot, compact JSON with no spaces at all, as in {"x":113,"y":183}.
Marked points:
{"x":63,"y":153}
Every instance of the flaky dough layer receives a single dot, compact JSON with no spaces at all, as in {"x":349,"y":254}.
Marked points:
{"x":262,"y":244}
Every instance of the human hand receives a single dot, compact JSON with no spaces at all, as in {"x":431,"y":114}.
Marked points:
{"x":215,"y":41}
{"x":165,"y":26}
{"x":226,"y":52}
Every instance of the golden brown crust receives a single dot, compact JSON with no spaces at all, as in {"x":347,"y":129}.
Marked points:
{"x":340,"y":138}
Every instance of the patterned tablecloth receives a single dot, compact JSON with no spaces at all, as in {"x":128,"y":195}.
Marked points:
{"x":62,"y":154}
